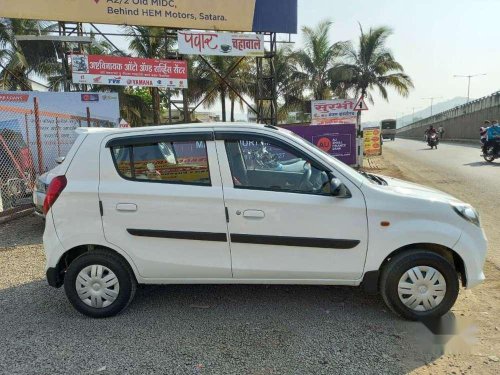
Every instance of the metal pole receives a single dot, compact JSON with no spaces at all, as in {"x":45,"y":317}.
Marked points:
{"x":58,"y":138}
{"x":468,"y":89}
{"x":38,"y":136}
{"x":88,"y":117}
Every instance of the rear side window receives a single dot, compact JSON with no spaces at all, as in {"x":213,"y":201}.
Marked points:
{"x":169,"y":162}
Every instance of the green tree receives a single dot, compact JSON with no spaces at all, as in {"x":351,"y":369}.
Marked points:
{"x":315,"y":63}
{"x":205,"y":81}
{"x":371,"y":65}
{"x":15,"y":71}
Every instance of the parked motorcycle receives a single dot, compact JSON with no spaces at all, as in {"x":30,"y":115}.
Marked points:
{"x":433,"y":141}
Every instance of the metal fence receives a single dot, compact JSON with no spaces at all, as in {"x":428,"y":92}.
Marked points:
{"x":31,"y":140}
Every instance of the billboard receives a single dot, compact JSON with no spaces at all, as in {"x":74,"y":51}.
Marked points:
{"x":232,"y":15}
{"x":334,"y":111}
{"x":44,"y":124}
{"x":337,"y":140}
{"x":129,"y":71}
{"x":215,"y":43}
{"x":372,"y":140}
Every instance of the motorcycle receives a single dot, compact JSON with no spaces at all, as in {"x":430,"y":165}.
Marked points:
{"x":433,"y":141}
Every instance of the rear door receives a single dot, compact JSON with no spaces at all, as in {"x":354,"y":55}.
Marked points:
{"x":162,"y":203}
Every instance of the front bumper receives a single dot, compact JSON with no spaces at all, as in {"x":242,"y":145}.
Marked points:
{"x":472,"y":248}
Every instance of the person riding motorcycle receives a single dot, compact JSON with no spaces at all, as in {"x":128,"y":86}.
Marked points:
{"x":493,"y":137}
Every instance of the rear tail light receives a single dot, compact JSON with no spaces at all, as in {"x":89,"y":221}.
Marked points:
{"x":56,"y":187}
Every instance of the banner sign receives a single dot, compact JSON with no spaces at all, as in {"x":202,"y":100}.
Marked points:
{"x":215,"y":43}
{"x":372,"y":139}
{"x":335,"y":111}
{"x":337,"y":140}
{"x":43,"y":123}
{"x":278,"y":16}
{"x":129,"y":71}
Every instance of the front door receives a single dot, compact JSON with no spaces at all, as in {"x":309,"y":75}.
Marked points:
{"x":284,"y":224}
{"x":162,"y":204}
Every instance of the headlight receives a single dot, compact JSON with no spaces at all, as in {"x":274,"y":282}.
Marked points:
{"x":467,"y":212}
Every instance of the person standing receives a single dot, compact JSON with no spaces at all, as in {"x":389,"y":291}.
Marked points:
{"x":441,"y":132}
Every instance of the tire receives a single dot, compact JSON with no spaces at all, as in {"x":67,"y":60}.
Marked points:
{"x":100,"y":267}
{"x":398,"y":267}
{"x":489,"y":154}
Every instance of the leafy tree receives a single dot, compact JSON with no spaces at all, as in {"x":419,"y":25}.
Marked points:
{"x":371,"y":65}
{"x":15,"y":71}
{"x":315,"y":63}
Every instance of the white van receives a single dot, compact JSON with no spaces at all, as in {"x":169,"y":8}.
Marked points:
{"x":247,"y":204}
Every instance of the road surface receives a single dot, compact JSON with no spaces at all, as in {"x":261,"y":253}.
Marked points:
{"x":459,"y":170}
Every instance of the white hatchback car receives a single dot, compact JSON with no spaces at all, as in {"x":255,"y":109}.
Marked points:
{"x":247,"y":204}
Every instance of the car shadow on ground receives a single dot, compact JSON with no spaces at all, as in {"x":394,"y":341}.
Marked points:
{"x":212,"y":329}
{"x":482,"y":164}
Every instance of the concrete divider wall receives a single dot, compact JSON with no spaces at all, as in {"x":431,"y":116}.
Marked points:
{"x":461,"y":123}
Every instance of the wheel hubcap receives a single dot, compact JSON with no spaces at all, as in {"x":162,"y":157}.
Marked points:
{"x":422,"y":288}
{"x":97,"y":286}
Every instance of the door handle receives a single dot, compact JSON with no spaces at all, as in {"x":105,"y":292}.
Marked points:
{"x":126,"y":207}
{"x":254,"y":214}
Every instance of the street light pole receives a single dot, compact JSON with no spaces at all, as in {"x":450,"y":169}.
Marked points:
{"x":468,"y":84}
{"x":432,"y":101}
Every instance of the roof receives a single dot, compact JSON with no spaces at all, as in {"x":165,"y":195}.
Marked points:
{"x":194,"y":126}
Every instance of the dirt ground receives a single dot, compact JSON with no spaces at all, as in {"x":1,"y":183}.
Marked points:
{"x":475,"y":346}
{"x":236,"y":329}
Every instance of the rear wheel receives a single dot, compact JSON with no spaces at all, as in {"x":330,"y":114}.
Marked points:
{"x":419,"y":285}
{"x":99,"y":284}
{"x":489,"y":154}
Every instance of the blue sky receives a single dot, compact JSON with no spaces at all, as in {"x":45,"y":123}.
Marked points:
{"x":433,"y":40}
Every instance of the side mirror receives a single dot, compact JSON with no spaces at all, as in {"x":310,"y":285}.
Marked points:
{"x":338,"y":189}
{"x":60,"y":159}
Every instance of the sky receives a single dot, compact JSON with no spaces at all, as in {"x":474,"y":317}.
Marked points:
{"x":433,"y":41}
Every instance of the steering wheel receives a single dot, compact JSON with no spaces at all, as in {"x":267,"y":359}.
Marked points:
{"x":306,"y":177}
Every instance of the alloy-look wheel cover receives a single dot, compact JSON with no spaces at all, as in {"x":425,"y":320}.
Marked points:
{"x":422,"y":288}
{"x":97,"y":286}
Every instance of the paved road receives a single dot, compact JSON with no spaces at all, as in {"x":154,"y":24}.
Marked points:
{"x":459,"y":170}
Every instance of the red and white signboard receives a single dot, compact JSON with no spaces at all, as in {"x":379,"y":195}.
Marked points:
{"x":216,"y":43}
{"x":335,"y":111}
{"x":361,"y":105}
{"x":129,"y":71}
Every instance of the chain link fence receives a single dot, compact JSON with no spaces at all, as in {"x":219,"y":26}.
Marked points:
{"x":31,"y":139}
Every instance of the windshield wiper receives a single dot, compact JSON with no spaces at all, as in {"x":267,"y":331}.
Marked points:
{"x":374,"y":178}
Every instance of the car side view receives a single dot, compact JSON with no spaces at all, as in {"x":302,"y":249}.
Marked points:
{"x":247,"y":204}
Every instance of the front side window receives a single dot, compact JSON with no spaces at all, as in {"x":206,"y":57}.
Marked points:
{"x":170,"y":162}
{"x":264,"y":165}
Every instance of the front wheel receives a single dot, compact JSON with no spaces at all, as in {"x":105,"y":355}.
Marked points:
{"x":99,"y":284}
{"x":419,"y":285}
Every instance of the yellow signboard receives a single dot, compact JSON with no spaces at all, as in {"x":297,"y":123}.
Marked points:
{"x":237,"y":15}
{"x":373,"y":141}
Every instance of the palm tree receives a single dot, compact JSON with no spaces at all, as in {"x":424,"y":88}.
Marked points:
{"x":150,"y":42}
{"x":15,"y":70}
{"x":205,"y":82}
{"x":289,"y":91}
{"x":316,"y":61}
{"x":372,"y":65}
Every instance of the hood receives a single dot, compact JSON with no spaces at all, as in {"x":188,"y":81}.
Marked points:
{"x":418,"y":191}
